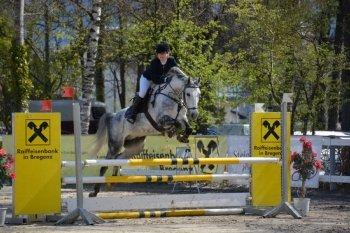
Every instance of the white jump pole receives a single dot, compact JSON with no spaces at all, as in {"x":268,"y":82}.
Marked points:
{"x":173,"y":161}
{"x":157,"y":179}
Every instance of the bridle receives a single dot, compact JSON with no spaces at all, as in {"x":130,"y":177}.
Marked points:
{"x":180,"y":98}
{"x":188,"y":86}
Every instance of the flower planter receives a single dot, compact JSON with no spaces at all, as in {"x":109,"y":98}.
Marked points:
{"x":2,"y":216}
{"x":302,"y":205}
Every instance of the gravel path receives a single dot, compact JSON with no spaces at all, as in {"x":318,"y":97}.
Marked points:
{"x":329,"y":212}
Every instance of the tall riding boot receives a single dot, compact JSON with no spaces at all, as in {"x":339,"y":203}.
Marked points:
{"x":132,"y":111}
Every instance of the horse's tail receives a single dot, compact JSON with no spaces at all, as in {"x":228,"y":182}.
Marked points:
{"x":100,"y":136}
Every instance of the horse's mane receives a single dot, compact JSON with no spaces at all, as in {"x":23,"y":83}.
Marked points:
{"x":176,"y":71}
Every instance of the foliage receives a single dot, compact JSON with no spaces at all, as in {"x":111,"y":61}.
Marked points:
{"x":192,"y":46}
{"x":248,"y":46}
{"x":305,"y":163}
{"x":278,"y":54}
{"x":5,"y":97}
{"x":6,"y":167}
{"x":21,"y":84}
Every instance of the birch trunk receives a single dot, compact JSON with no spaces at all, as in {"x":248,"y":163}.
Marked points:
{"x":90,"y":67}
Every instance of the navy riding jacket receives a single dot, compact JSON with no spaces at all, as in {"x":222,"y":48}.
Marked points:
{"x":156,"y":71}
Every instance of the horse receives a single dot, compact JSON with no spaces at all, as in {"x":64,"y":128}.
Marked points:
{"x":167,"y":111}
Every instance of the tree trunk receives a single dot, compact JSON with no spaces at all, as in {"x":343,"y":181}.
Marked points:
{"x":122,"y":93}
{"x":21,"y":85}
{"x":19,"y":22}
{"x":47,"y":84}
{"x":297,"y":97}
{"x":122,"y":62}
{"x":100,"y":66}
{"x":333,"y":102}
{"x":305,"y":121}
{"x":90,"y":67}
{"x":345,"y":116}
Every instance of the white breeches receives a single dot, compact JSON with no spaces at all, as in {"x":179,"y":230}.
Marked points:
{"x":144,"y":85}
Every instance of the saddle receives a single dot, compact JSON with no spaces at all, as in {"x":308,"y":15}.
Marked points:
{"x":143,"y":108}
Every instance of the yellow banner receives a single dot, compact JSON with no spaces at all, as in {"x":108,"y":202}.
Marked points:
{"x":37,"y":147}
{"x":266,"y":142}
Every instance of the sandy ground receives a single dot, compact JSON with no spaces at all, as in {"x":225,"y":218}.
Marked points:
{"x":329,"y":212}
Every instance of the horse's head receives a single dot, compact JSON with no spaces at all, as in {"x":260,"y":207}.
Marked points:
{"x":191,"y":98}
{"x":180,"y":82}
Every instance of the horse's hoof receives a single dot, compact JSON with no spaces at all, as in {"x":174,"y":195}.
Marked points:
{"x":182,"y":139}
{"x":92,"y":194}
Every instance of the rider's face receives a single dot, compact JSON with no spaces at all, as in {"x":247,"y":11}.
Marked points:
{"x":163,"y":57}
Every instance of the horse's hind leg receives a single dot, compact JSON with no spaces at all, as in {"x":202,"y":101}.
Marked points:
{"x":97,"y":187}
{"x":132,"y":147}
{"x":110,"y":155}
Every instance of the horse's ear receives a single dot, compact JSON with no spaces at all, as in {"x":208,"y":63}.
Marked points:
{"x":189,"y":81}
{"x":197,"y":81}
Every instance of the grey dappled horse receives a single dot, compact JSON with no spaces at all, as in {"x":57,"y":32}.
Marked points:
{"x":167,"y":112}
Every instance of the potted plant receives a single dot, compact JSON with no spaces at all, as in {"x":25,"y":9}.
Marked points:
{"x":306,"y":164}
{"x":6,"y":174}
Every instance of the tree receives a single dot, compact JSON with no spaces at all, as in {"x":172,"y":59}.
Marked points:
{"x":21,"y":85}
{"x":345,"y":82}
{"x":345,"y":78}
{"x":6,"y":36}
{"x":277,"y":54}
{"x":90,"y":66}
{"x":334,"y":86}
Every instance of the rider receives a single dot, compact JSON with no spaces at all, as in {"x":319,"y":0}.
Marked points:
{"x":155,"y":73}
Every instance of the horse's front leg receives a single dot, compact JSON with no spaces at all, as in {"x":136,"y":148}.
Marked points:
{"x":170,"y":125}
{"x":187,"y":131}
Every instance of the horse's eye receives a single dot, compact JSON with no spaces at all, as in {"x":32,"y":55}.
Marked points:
{"x":188,"y":94}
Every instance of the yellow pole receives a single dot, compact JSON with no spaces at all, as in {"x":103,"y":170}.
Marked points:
{"x":152,"y":214}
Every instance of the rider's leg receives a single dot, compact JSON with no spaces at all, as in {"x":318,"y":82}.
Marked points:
{"x":134,"y":108}
{"x":144,"y":86}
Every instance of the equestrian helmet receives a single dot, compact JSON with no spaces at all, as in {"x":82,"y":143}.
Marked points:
{"x":162,"y":47}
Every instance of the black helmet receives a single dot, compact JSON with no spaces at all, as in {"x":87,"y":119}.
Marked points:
{"x":162,"y":47}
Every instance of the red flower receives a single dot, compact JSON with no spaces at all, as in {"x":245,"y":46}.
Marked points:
{"x":302,"y":139}
{"x":13,"y":175}
{"x":305,"y":162}
{"x":318,"y":165}
{"x":307,"y":144}
{"x":7,"y":166}
{"x":2,"y":152}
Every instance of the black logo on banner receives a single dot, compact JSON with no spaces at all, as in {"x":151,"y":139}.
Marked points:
{"x":37,"y":132}
{"x":270,"y":130}
{"x":210,"y":148}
